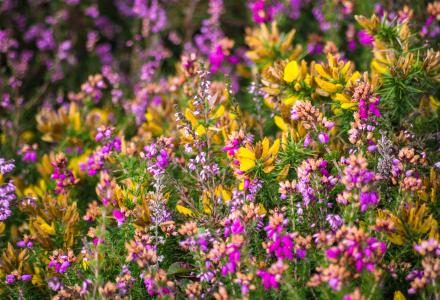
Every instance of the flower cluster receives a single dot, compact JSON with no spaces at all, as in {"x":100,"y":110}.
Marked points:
{"x":348,"y":250}
{"x":359,"y":183}
{"x":312,"y":120}
{"x":63,"y":176}
{"x":61,"y":261}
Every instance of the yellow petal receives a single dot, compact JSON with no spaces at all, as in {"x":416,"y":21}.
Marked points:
{"x":246,"y":164}
{"x":291,"y":71}
{"x":283,"y":173}
{"x":184,"y":211}
{"x":200,"y":130}
{"x":50,"y":230}
{"x":290,"y":100}
{"x":435,"y":103}
{"x":241,"y":185}
{"x":350,"y":105}
{"x":356,"y":75}
{"x":245,"y":153}
{"x":265,"y":145}
{"x":275,"y":147}
{"x":207,"y":206}
{"x":85,"y":264}
{"x":190,"y":116}
{"x":398,"y":296}
{"x":320,"y":70}
{"x":378,"y":67}
{"x":342,"y":98}
{"x":261,"y":209}
{"x":268,"y":169}
{"x":331,"y":60}
{"x":226,"y":195}
{"x":281,"y":124}
{"x":220,"y":111}
{"x":345,"y":69}
{"x":327,"y":86}
{"x":268,"y":102}
{"x":74,"y":117}
{"x":149,"y":116}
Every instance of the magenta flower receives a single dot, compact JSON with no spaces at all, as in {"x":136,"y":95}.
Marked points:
{"x":216,"y":58}
{"x":261,"y":13}
{"x":10,"y":279}
{"x":307,"y":140}
{"x":368,"y":199}
{"x":333,"y":253}
{"x":269,"y":280}
{"x":323,"y":138}
{"x":119,"y":216}
{"x":162,"y":159}
{"x":236,"y":227}
{"x":365,"y":38}
{"x":26,"y":277}
{"x":282,"y":247}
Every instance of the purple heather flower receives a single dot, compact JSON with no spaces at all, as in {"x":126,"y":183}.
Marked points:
{"x":153,"y":12}
{"x":269,"y":280}
{"x":323,"y":138}
{"x":26,"y":277}
{"x":10,"y":279}
{"x":282,"y":247}
{"x":63,"y":267}
{"x":319,"y":15}
{"x":119,"y":216}
{"x":334,"y":283}
{"x":162,"y":159}
{"x":335,"y":221}
{"x":295,"y":9}
{"x":261,"y":12}
{"x":210,"y":36}
{"x":368,"y":199}
{"x":307,"y":141}
{"x":352,"y":45}
{"x":30,"y":155}
{"x":54,"y":283}
{"x":216,"y":58}
{"x":365,"y":38}
{"x":6,"y":166}
{"x":23,"y":244}
{"x":236,"y":227}
{"x":333,"y":253}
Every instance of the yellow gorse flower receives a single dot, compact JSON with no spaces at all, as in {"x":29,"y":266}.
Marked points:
{"x":184,"y":210}
{"x":291,"y":71}
{"x":297,"y":75}
{"x":267,"y":44}
{"x":262,"y":154}
{"x":54,"y":123}
{"x":12,"y":260}
{"x":51,"y":215}
{"x":46,"y":228}
{"x":333,"y":78}
{"x":412,"y":222}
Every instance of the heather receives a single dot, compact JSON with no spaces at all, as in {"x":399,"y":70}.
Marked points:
{"x":219,"y":149}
